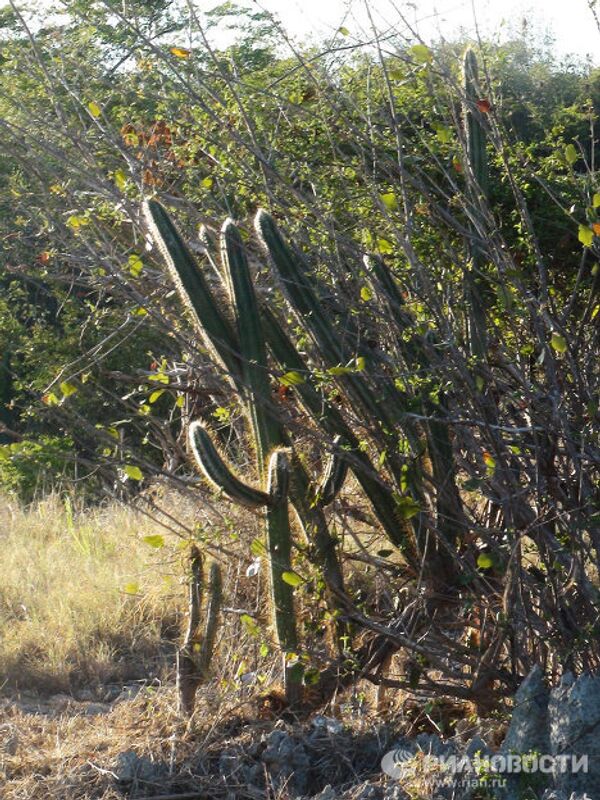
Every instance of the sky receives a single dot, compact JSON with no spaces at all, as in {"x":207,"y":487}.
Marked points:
{"x":569,"y":22}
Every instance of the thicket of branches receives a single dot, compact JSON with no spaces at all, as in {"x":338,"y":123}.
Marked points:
{"x":487,"y":336}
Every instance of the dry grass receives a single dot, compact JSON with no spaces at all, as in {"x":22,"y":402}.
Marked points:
{"x":65,"y":619}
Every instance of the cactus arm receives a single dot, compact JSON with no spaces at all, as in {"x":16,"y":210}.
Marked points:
{"x":386,"y":410}
{"x":332,"y":422}
{"x":334,"y":475}
{"x":253,"y":351}
{"x":193,"y":288}
{"x":449,"y":504}
{"x":218,"y":473}
{"x":211,"y":619}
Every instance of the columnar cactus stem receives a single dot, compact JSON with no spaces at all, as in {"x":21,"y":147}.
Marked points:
{"x":192,"y":667}
{"x":479,"y":171}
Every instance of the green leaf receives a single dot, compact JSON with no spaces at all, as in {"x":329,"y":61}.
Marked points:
{"x":291,"y":378}
{"x":340,"y":370}
{"x":344,"y":31}
{"x":292,"y":578}
{"x":76,"y":221}
{"x":384,"y":246}
{"x":135,"y":264}
{"x":133,"y":472}
{"x":586,"y":235}
{"x":250,"y":624}
{"x":558,"y":343}
{"x":366,"y":293}
{"x":257,"y":548}
{"x":155,"y":395}
{"x":131,"y":588}
{"x":596,"y":200}
{"x":207,"y":182}
{"x":385,"y":553}
{"x":263,"y":650}
{"x":94,"y":109}
{"x":159,"y":377}
{"x":484,"y":561}
{"x":421,"y":53}
{"x":67,"y":389}
{"x":361,"y":363}
{"x":154,"y":540}
{"x":407,"y":507}
{"x":571,"y":154}
{"x":389,"y":200}
{"x":120,"y":179}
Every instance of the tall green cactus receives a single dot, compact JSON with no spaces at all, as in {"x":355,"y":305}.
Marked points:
{"x":243,"y":353}
{"x":475,"y":283}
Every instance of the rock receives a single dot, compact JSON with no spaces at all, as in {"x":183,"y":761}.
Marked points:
{"x":287,"y":762}
{"x":477,"y":746}
{"x":574,"y":716}
{"x":132,"y":769}
{"x":529,"y":729}
{"x":86,"y":696}
{"x":367,"y":792}
{"x":95,"y":709}
{"x":327,"y":723}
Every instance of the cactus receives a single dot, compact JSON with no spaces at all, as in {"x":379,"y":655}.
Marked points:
{"x":475,"y":282}
{"x":274,"y":500}
{"x":194,"y":657}
{"x":243,"y":354}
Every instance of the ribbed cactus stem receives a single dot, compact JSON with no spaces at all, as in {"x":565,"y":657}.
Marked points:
{"x":334,"y":476}
{"x":474,"y":131}
{"x":214,"y":468}
{"x":214,"y":597}
{"x":253,"y":350}
{"x":280,"y":556}
{"x":478,"y":164}
{"x":279,"y":475}
{"x":192,"y":287}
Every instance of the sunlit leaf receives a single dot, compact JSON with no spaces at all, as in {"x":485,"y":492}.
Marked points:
{"x":133,"y":472}
{"x":421,"y":53}
{"x":558,"y":343}
{"x":180,"y":52}
{"x":291,"y":378}
{"x":571,"y":154}
{"x":389,"y":200}
{"x":586,"y":236}
{"x":135,"y":264}
{"x":292,"y":578}
{"x":67,"y":388}
{"x":249,"y":624}
{"x":131,"y":588}
{"x":366,"y":293}
{"x":94,"y":109}
{"x":484,"y":561}
{"x":154,"y":540}
{"x":155,"y":395}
